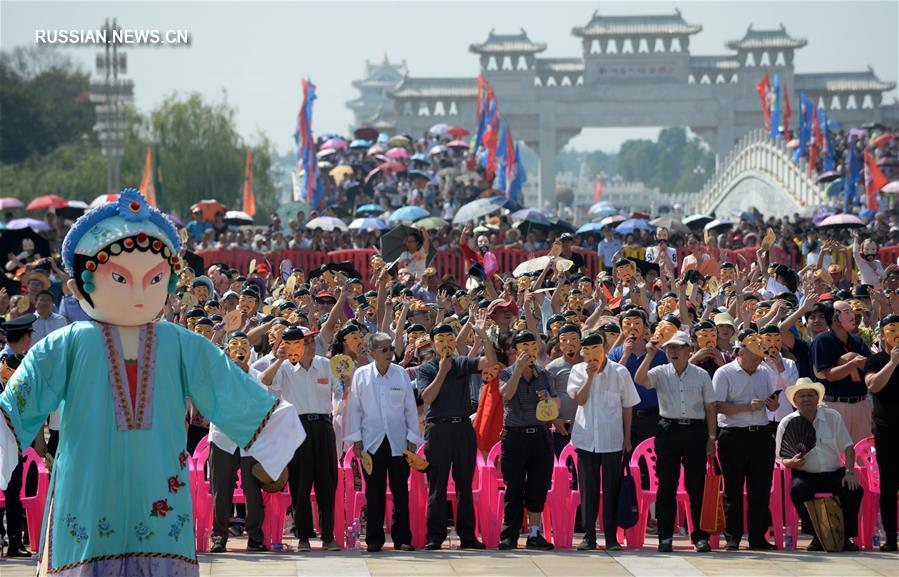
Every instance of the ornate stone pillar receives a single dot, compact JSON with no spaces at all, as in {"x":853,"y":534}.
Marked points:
{"x":548,"y":154}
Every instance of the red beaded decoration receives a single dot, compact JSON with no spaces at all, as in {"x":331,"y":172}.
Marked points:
{"x":157,"y":245}
{"x":90,"y":265}
{"x":141,"y":237}
{"x":175,"y":259}
{"x":129,"y":243}
{"x":134,"y":206}
{"x":102,"y":257}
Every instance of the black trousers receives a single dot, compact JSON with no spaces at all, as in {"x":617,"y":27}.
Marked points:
{"x":589,"y":467}
{"x":14,"y":510}
{"x":195,"y":434}
{"x":384,"y":466}
{"x":678,"y":445}
{"x":805,"y":485}
{"x":223,"y":468}
{"x":53,"y":442}
{"x":747,"y":458}
{"x":314,"y":463}
{"x":527,"y":464}
{"x":887,"y":446}
{"x":450,"y":446}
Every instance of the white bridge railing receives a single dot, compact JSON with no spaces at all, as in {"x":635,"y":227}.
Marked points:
{"x":758,"y":153}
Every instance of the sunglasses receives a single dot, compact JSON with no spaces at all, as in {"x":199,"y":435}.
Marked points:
{"x":384,"y":349}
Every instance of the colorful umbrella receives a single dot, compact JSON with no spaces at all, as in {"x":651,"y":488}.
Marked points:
{"x":697,"y":221}
{"x":376,"y":149}
{"x":439,"y":129}
{"x":457,"y":132}
{"x":209,"y":208}
{"x":476,"y":209}
{"x":671,"y":224}
{"x":882,"y":140}
{"x":718,"y":223}
{"x":359,"y":143}
{"x":326,"y":223}
{"x":408,"y":213}
{"x":72,"y":210}
{"x":393,"y":242}
{"x":46,"y":201}
{"x":10,"y":203}
{"x":103,"y":199}
{"x":590,"y":228}
{"x":340,"y":173}
{"x":457,"y":144}
{"x":632,"y":225}
{"x":238,"y":218}
{"x":370,"y":209}
{"x":368,"y":224}
{"x":842,"y":221}
{"x":827,"y":176}
{"x":419,"y":174}
{"x":365,"y":133}
{"x":614,"y":219}
{"x":397,"y":153}
{"x":431,"y":223}
{"x":334,"y":144}
{"x":32,"y":223}
{"x":421,"y":157}
{"x":530,"y":215}
{"x":437,"y":149}
{"x":324,"y":153}
{"x":399,"y":140}
{"x":891,"y":187}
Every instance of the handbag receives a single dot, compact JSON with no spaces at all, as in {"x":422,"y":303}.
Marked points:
{"x":711,"y":518}
{"x":628,"y":512}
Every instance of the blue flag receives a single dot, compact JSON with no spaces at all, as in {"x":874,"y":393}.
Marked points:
{"x":852,"y":173}
{"x":806,"y":110}
{"x":775,"y":109}
{"x":502,"y":160}
{"x":827,"y":158}
{"x":518,"y":179}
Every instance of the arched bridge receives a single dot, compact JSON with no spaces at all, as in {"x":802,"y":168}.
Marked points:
{"x":760,"y":172}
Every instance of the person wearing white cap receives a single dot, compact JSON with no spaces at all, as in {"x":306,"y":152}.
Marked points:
{"x":821,"y":469}
{"x":685,"y":434}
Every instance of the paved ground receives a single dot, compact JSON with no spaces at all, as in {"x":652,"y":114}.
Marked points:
{"x":645,"y":563}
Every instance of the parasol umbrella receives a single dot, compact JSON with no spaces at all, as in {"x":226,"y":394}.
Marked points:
{"x":532,"y":265}
{"x":697,"y":221}
{"x":238,"y":218}
{"x":461,"y":144}
{"x":385,"y":168}
{"x":476,"y":209}
{"x":359,"y":143}
{"x":457,"y":132}
{"x":72,"y":210}
{"x":602,"y":207}
{"x":820,"y":215}
{"x":421,"y":157}
{"x":419,"y":174}
{"x":365,"y":133}
{"x":393,"y":243}
{"x":887,"y":161}
{"x":376,"y":149}
{"x":11,"y":242}
{"x":718,"y":223}
{"x":562,"y":226}
{"x":325,"y":153}
{"x":431,"y":223}
{"x":32,"y":223}
{"x":672,"y":224}
{"x":288,"y":211}
{"x":590,"y":228}
{"x":209,"y":208}
{"x":324,"y":164}
{"x":743,"y":215}
{"x":408,"y":213}
{"x":10,"y":203}
{"x":891,"y":187}
{"x":340,"y":172}
{"x":103,"y":199}
{"x":614,"y":219}
{"x":530,"y":215}
{"x":632,"y":225}
{"x":45,"y":202}
{"x":842,"y":221}
{"x":368,"y":224}
{"x":882,"y":140}
{"x":399,"y":140}
{"x":345,"y":267}
{"x":437,"y":149}
{"x":334,"y":144}
{"x":439,"y":129}
{"x":370,"y":209}
{"x":397,"y":153}
{"x":827,"y":176}
{"x":326,"y":223}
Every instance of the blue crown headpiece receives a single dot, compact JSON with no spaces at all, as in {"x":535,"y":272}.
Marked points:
{"x":128,"y":217}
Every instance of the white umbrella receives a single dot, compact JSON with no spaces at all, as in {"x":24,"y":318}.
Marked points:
{"x":369,"y":224}
{"x":238,"y":218}
{"x":327,"y":223}
{"x":103,"y":199}
{"x":539,"y":263}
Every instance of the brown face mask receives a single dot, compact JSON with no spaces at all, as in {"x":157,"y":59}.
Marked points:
{"x":294,"y":350}
{"x":239,"y":349}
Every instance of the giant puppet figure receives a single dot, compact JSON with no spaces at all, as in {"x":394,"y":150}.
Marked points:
{"x":119,"y":502}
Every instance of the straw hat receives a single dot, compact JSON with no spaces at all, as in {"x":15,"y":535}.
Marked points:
{"x":802,"y":384}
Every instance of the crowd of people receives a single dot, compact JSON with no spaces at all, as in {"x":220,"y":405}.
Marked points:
{"x":668,"y":339}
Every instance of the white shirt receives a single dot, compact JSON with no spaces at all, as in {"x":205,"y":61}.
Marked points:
{"x":598,"y":424}
{"x":832,"y":440}
{"x":44,"y":326}
{"x":734,"y":385}
{"x":382,"y":406}
{"x":264,"y":362}
{"x":782,"y":380}
{"x":682,"y":396}
{"x":309,"y":391}
{"x":220,"y":439}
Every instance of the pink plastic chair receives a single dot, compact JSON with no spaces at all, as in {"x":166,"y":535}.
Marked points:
{"x":355,"y":500}
{"x":792,"y":517}
{"x":645,"y":452}
{"x":869,"y":475}
{"x":34,"y":504}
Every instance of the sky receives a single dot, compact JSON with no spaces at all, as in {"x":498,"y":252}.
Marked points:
{"x":255,"y":53}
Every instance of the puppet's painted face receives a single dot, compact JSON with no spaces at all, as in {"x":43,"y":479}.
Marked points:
{"x":633,"y":327}
{"x":412,"y":338}
{"x":576,"y":303}
{"x":595,"y":354}
{"x":529,"y":347}
{"x":455,"y":323}
{"x":239,"y":349}
{"x":130,"y":289}
{"x":664,"y":331}
{"x":353,"y":342}
{"x":201,"y":292}
{"x":707,"y":338}
{"x":491,"y":372}
{"x":464,"y":302}
{"x":444,"y":344}
{"x":760,"y":311}
{"x":891,"y":334}
{"x":753,"y":343}
{"x":205,"y":330}
{"x":554,"y":327}
{"x":625,"y":272}
{"x":295,"y":349}
{"x":728,"y":274}
{"x":666,"y":306}
{"x":772,"y":344}
{"x":570,"y":344}
{"x":274,"y":333}
{"x":246,"y":305}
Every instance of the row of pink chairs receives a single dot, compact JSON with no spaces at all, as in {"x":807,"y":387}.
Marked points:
{"x":33,"y":504}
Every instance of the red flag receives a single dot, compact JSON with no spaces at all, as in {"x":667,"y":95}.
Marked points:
{"x":488,"y":421}
{"x":597,"y":190}
{"x":874,"y":180}
{"x":764,"y":89}
{"x":787,"y":112}
{"x":147,"y":184}
{"x":249,"y":198}
{"x":816,"y":142}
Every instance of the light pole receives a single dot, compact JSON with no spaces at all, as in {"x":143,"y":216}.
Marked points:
{"x":111,"y":93}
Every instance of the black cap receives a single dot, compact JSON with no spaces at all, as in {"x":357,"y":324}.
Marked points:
{"x":19,"y":326}
{"x":611,"y":328}
{"x":769,"y":330}
{"x":595,"y":338}
{"x":443,"y":329}
{"x":745,"y":333}
{"x":523,"y":337}
{"x":293,"y":334}
{"x":702,"y":325}
{"x":250,"y":292}
{"x":196,"y":313}
{"x":569,"y":329}
{"x":671,"y":319}
{"x":415,"y":329}
{"x":205,"y":321}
